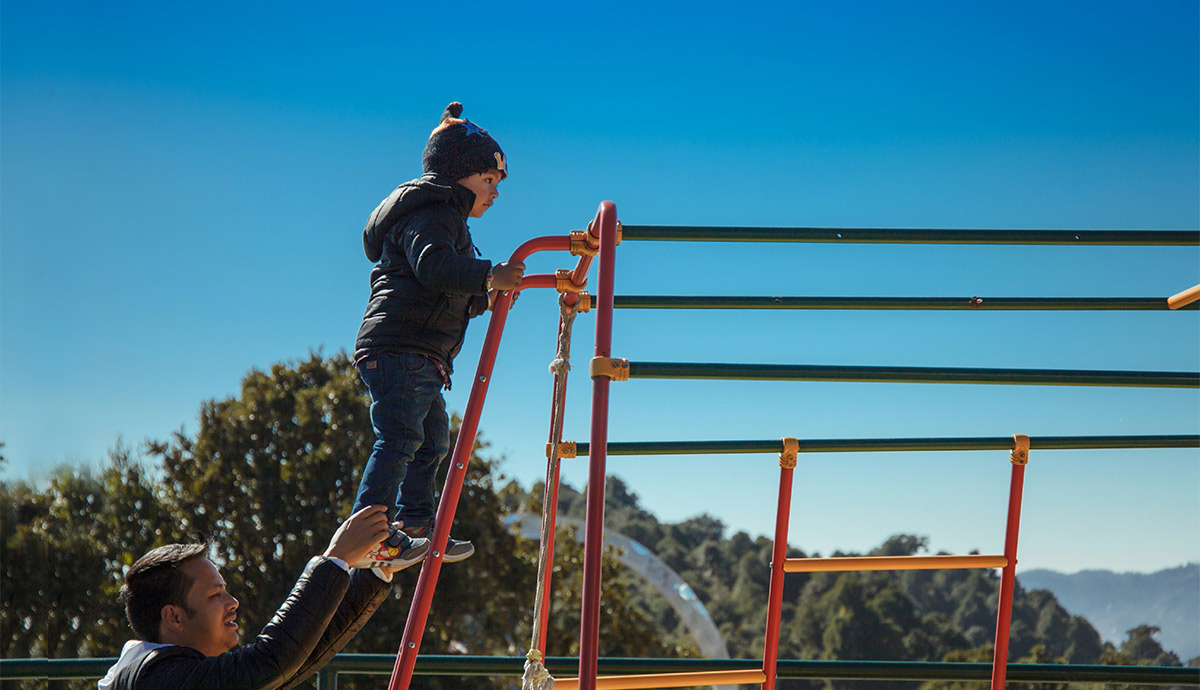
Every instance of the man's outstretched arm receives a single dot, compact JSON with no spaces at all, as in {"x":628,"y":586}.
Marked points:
{"x":295,"y":631}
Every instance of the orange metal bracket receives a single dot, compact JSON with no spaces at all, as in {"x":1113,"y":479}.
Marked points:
{"x":563,"y":281}
{"x":612,"y":367}
{"x":583,"y":300}
{"x":583,"y":243}
{"x":593,"y":239}
{"x":566,"y":449}
{"x":1020,"y":454}
{"x":787,"y":457}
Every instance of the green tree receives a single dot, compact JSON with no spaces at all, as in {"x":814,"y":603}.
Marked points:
{"x":65,"y":548}
{"x":268,"y":476}
{"x":273,"y":470}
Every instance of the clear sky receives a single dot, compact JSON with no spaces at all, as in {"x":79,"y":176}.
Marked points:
{"x":183,"y":190}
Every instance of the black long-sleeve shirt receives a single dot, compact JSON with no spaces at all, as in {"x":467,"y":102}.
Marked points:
{"x":327,"y":607}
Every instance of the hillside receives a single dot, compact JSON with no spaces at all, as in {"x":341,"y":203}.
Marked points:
{"x":1117,"y":602}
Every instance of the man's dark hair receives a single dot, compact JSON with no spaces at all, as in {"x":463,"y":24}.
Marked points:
{"x":155,"y":581}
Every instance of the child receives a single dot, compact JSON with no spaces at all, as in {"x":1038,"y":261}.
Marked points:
{"x":427,"y":283}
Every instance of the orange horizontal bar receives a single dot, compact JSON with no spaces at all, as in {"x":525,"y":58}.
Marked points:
{"x":667,"y":680}
{"x":851,"y":563}
{"x":1182,"y":299}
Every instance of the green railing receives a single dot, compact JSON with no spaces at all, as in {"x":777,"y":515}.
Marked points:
{"x":869,"y":445}
{"x":975,"y":303}
{"x":456,"y":665}
{"x":678,"y":233}
{"x":864,"y":374}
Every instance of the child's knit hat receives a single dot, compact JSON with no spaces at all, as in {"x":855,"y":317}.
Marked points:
{"x":459,"y":148}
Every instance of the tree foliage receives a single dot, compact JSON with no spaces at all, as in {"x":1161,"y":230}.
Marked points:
{"x":268,"y":476}
{"x":920,"y":615}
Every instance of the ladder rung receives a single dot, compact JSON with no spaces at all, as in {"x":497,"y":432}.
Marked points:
{"x":667,"y":680}
{"x":851,"y":563}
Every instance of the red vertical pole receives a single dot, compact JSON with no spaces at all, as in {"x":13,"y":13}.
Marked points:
{"x":1020,"y":456}
{"x":589,"y":627}
{"x":787,"y":464}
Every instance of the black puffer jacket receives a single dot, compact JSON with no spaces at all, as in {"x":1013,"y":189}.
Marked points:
{"x":427,"y":283}
{"x":326,"y":608}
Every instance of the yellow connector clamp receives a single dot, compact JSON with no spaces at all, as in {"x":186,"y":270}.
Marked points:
{"x":787,"y":458}
{"x":587,"y":242}
{"x":612,"y":367}
{"x":563,"y":282}
{"x":584,"y":303}
{"x":583,"y":244}
{"x":1020,"y":454}
{"x":566,"y":449}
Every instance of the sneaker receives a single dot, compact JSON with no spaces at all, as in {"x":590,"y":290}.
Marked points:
{"x":455,"y":550}
{"x":399,"y":550}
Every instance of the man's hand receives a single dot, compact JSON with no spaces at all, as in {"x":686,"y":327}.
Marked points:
{"x":507,"y":276}
{"x":357,"y":535}
{"x":398,"y":524}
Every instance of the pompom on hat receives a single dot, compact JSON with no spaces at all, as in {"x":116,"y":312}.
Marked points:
{"x":459,"y":148}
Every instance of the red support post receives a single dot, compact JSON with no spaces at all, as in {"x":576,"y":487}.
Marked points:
{"x":1008,"y":576}
{"x":414,"y":629}
{"x":589,"y":628}
{"x":787,"y":464}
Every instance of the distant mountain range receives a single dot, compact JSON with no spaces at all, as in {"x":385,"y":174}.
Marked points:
{"x":1116,"y":602}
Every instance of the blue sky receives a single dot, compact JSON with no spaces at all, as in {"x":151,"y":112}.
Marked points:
{"x":182,"y":191}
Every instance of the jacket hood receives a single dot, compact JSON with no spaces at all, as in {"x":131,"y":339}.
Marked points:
{"x":131,"y":653}
{"x":430,"y":188}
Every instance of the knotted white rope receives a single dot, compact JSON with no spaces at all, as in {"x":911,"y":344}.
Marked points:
{"x":562,"y":359}
{"x":536,"y":677}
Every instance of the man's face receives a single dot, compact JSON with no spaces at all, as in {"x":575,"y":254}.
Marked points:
{"x":484,"y":185}
{"x":209,"y":625}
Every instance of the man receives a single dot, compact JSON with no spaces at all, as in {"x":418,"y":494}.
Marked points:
{"x":186,"y":621}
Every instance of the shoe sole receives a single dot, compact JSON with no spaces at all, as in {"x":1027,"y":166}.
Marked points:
{"x":448,"y":558}
{"x":397,"y":563}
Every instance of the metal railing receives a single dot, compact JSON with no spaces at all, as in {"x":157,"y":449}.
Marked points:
{"x":458,"y":665}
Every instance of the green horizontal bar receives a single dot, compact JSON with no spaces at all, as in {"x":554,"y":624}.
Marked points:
{"x":892,"y":445}
{"x":706,"y":233}
{"x":563,"y":667}
{"x":801,"y":372}
{"x":882,"y":303}
{"x":54,"y":669}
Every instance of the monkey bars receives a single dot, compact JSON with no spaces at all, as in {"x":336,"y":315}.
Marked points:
{"x":606,"y":369}
{"x":600,"y":240}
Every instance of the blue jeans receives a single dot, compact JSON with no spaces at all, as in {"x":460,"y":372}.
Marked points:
{"x":412,"y":432}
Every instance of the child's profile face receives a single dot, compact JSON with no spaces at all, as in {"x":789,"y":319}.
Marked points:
{"x":484,"y":185}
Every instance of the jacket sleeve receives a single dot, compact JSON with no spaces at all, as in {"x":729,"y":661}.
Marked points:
{"x":428,"y":241}
{"x":275,"y":656}
{"x":365,"y":595}
{"x":477,"y":306}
